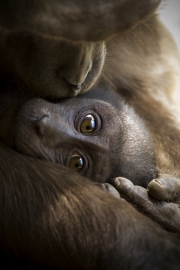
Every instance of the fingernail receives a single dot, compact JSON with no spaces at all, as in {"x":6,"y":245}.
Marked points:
{"x":116,"y":181}
{"x":158,"y":181}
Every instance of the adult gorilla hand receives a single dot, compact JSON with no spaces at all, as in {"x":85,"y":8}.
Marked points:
{"x":167,"y":214}
{"x":165,"y":188}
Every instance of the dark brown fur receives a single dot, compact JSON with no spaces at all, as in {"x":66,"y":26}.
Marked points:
{"x":70,"y":223}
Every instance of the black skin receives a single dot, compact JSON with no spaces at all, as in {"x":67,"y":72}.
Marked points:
{"x":39,"y":198}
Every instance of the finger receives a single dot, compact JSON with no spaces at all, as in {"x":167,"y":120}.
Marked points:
{"x":164,"y":188}
{"x":166,"y":214}
{"x":135,"y":194}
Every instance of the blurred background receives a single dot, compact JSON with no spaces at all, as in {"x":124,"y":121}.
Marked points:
{"x":170,"y":16}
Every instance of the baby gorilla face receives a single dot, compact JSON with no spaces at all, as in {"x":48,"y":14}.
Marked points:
{"x":78,"y":136}
{"x":90,"y":136}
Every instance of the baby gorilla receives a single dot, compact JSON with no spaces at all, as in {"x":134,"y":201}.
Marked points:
{"x":101,"y":137}
{"x":96,"y":134}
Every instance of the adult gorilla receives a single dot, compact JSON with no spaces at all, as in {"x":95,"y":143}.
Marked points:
{"x":70,"y":223}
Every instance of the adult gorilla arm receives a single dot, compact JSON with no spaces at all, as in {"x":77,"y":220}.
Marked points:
{"x":73,"y":19}
{"x":49,"y":219}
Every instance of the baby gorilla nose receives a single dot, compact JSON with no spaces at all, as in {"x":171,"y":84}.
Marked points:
{"x":40,"y":125}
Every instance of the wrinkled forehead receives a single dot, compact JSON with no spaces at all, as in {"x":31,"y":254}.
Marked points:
{"x":106,"y":110}
{"x":74,"y":19}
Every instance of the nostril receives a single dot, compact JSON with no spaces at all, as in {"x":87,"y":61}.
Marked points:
{"x":76,"y":87}
{"x":44,"y":118}
{"x":40,"y":125}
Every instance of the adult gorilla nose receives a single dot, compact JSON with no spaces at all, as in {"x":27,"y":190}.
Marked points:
{"x":78,"y":64}
{"x":76,"y":87}
{"x":76,"y":74}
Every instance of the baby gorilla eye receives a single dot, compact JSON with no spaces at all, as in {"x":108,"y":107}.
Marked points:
{"x":88,"y":124}
{"x":76,"y":162}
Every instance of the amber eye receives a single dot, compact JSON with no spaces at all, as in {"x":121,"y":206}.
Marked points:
{"x":88,"y":124}
{"x":76,"y":162}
